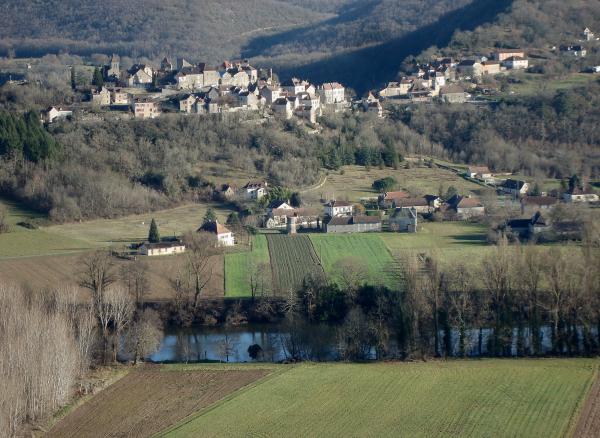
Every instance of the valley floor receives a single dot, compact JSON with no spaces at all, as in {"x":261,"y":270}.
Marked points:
{"x":516,"y":398}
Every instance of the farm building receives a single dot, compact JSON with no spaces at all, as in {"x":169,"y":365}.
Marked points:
{"x":353,"y":224}
{"x":388,"y":199}
{"x":162,"y":248}
{"x":464,"y":207}
{"x":404,"y":220}
{"x":279,"y":217}
{"x":480,"y":172}
{"x":420,"y":205}
{"x":514,"y":187}
{"x":223,"y":235}
{"x":580,"y":195}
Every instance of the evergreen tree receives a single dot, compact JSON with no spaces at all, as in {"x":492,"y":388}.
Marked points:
{"x":153,"y":235}
{"x":98,"y":79}
{"x":73,"y":78}
{"x":210,"y":216}
{"x":574,"y":182}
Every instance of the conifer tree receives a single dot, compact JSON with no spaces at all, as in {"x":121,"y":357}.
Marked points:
{"x":98,"y":80}
{"x":153,"y":235}
{"x":210,"y":216}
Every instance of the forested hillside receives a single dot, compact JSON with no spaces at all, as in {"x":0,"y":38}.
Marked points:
{"x":211,"y":30}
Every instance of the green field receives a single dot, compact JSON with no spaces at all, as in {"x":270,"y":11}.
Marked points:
{"x":21,"y":242}
{"x":239,"y":264}
{"x":450,"y":241}
{"x":484,"y":398}
{"x":368,"y":250}
{"x":293,"y":258}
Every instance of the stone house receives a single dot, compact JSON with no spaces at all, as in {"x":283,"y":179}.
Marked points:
{"x":119,"y":97}
{"x":161,"y":248}
{"x":419,"y":205}
{"x":338,"y":208}
{"x":588,"y":35}
{"x":491,"y":67}
{"x":101,"y":97}
{"x":469,"y":67}
{"x":283,"y":107}
{"x":404,"y":220}
{"x":186,"y":103}
{"x":145,"y":108}
{"x":331,"y":93}
{"x":504,"y":54}
{"x":453,"y":94}
{"x":295,"y":86}
{"x":353,"y":224}
{"x":389,"y":199}
{"x":139,"y":76}
{"x":464,"y":207}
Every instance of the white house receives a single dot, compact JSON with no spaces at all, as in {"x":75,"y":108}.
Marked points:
{"x":223,"y":235}
{"x":161,"y":248}
{"x":53,"y":114}
{"x":516,"y":63}
{"x":338,"y":208}
{"x":480,"y":172}
{"x":255,"y":190}
{"x":588,"y":35}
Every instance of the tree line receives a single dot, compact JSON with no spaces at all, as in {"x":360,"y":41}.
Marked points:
{"x":518,"y":301}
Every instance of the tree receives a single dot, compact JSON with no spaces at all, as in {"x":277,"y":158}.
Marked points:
{"x":255,"y":351}
{"x":385,"y":184}
{"x":210,"y":216}
{"x":73,"y":78}
{"x":351,"y":273}
{"x":574,"y":183}
{"x":134,"y":276}
{"x":144,"y":336}
{"x":198,"y":270}
{"x":98,"y":79}
{"x":295,"y":200}
{"x":452,"y":191}
{"x":153,"y":234}
{"x":3,"y":221}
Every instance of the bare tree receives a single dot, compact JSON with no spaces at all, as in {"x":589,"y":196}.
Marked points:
{"x":97,"y":273}
{"x":200,"y":249}
{"x":459,"y":302}
{"x":351,"y":273}
{"x":144,"y":335}
{"x":260,"y":279}
{"x":134,"y":276}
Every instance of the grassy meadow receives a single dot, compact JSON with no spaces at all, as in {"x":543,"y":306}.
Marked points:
{"x":367,"y":250}
{"x":239,"y":264}
{"x":500,"y":398}
{"x":354,"y":182}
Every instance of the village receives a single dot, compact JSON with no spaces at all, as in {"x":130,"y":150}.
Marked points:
{"x":196,"y":89}
{"x":145,"y":92}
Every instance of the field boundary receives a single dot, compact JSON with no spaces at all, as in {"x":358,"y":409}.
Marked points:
{"x":577,"y":423}
{"x":276,"y":373}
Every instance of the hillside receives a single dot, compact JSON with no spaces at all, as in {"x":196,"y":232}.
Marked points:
{"x":209,"y":29}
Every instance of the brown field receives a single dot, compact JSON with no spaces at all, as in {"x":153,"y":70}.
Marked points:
{"x":50,"y":271}
{"x":588,"y":425}
{"x":134,"y":408}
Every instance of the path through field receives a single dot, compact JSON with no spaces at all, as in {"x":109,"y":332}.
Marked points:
{"x":588,"y":425}
{"x":143,"y":403}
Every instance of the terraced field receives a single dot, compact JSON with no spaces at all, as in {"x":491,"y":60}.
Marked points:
{"x":368,"y":251}
{"x":239,"y":264}
{"x":486,"y":398}
{"x":293,"y":258}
